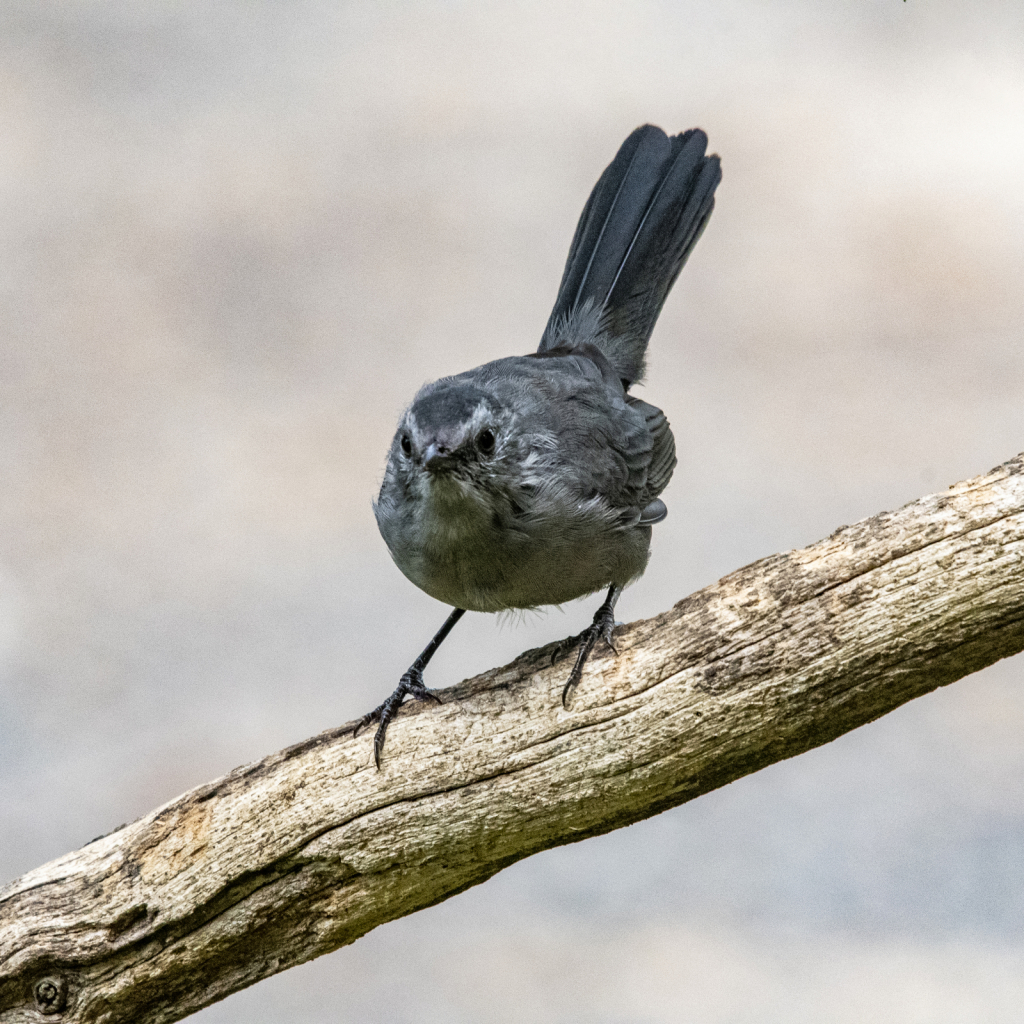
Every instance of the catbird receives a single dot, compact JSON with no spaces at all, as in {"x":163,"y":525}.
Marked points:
{"x":533,"y":480}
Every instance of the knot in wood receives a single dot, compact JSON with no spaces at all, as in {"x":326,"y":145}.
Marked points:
{"x":51,"y":995}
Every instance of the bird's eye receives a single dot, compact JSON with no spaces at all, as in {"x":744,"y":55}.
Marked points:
{"x":485,"y":441}
{"x":406,"y":444}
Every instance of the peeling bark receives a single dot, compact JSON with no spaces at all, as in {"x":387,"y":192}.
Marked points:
{"x":305,"y":851}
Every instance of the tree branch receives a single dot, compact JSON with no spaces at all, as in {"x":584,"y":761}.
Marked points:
{"x":305,"y":851}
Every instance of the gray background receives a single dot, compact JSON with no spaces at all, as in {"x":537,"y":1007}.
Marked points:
{"x":236,"y":237}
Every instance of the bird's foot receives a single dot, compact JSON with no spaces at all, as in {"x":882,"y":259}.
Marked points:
{"x":600,"y":629}
{"x":410,"y":685}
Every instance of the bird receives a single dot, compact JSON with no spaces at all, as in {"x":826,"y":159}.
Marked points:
{"x":535,"y":479}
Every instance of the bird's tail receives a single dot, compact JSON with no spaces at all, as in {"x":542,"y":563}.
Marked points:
{"x":639,"y":225}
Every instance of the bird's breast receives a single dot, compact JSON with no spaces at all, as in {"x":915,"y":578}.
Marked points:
{"x":483,"y":555}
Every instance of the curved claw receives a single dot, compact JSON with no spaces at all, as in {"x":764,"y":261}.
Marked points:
{"x":606,"y":636}
{"x":378,"y":744}
{"x":600,"y":629}
{"x":410,"y":685}
{"x":574,"y":678}
{"x":563,"y":647}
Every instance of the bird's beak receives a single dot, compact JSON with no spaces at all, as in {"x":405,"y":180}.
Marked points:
{"x":436,"y":456}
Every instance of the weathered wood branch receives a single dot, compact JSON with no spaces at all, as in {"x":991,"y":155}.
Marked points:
{"x":307,"y":850}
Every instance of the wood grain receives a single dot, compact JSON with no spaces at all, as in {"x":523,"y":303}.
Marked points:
{"x":305,"y":851}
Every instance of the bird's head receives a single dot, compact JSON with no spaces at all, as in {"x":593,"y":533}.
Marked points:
{"x":449,"y":443}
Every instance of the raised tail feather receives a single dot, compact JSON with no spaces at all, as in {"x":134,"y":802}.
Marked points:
{"x":640,"y":223}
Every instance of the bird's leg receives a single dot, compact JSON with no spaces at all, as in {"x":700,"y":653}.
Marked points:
{"x":600,"y":629}
{"x":410,"y":685}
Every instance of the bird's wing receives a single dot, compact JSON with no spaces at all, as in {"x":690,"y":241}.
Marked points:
{"x":663,"y":454}
{"x":602,"y":445}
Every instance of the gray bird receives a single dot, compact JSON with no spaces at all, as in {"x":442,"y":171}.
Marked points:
{"x":534,"y":480}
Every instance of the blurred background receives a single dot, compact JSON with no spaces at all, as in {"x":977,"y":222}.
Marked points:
{"x":235,"y":237}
